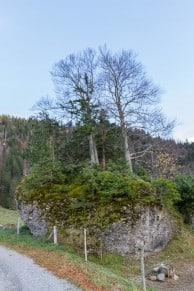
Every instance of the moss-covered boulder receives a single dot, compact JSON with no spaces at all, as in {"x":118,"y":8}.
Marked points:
{"x":118,"y":208}
{"x":152,"y":226}
{"x":31,"y":215}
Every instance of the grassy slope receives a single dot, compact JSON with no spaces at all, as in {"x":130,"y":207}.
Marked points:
{"x":65,"y":263}
{"x":112,"y":273}
{"x":62,"y":261}
{"x":8,"y":216}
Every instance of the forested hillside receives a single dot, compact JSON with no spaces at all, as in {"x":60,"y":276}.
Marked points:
{"x":14,"y":134}
{"x":26,"y":143}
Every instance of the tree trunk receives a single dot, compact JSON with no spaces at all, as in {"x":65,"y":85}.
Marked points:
{"x":126,"y":148}
{"x":93,"y":151}
{"x":125,"y":139}
{"x":103,"y":159}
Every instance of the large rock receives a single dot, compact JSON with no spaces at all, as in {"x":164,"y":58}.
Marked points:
{"x":31,"y":215}
{"x":152,"y":226}
{"x":161,"y":272}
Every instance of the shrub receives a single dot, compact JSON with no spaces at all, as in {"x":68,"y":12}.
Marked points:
{"x":166,"y":191}
{"x":185,"y":186}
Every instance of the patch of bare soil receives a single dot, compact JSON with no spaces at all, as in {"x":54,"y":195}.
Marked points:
{"x":184,"y":269}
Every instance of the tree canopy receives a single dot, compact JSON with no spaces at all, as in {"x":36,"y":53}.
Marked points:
{"x":92,"y":82}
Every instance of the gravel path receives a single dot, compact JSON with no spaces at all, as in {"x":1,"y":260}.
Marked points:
{"x":19,"y":273}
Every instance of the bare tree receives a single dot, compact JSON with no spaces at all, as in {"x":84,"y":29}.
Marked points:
{"x":89,"y":82}
{"x":131,"y":97}
{"x":75,"y":79}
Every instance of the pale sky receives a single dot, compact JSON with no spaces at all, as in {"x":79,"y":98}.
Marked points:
{"x":35,"y":34}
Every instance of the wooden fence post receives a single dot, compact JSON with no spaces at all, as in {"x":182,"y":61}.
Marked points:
{"x":143,"y":268}
{"x":85,"y":245}
{"x":18,"y":226}
{"x":55,"y":235}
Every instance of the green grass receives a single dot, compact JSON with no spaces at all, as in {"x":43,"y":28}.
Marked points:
{"x":111,"y":270}
{"x":8,"y":216}
{"x":97,"y":273}
{"x":100,"y":274}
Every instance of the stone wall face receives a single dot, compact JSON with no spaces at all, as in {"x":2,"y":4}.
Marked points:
{"x":153,"y":227}
{"x":31,"y":215}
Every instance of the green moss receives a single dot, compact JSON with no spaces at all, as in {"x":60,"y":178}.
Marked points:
{"x":93,"y":198}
